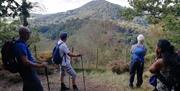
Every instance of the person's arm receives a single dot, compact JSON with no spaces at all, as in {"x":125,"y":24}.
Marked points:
{"x":74,"y":55}
{"x":66,"y":50}
{"x":156,"y":66}
{"x":145,"y":51}
{"x":21,"y":50}
{"x":132,"y":48}
{"x":25,"y":61}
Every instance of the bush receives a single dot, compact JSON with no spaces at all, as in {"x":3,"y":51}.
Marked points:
{"x":150,"y":58}
{"x":119,"y":66}
{"x":45,"y":57}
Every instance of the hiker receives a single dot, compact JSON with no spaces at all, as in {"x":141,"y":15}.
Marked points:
{"x":166,"y":67}
{"x":138,"y":52}
{"x":27,"y":63}
{"x":66,"y":65}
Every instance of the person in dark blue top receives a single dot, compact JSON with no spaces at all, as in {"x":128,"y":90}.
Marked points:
{"x":138,"y":52}
{"x":27,"y":63}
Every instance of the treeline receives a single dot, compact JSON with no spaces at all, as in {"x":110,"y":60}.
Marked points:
{"x":165,"y":14}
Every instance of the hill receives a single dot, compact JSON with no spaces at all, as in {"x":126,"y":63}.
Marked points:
{"x":95,"y":25}
{"x":100,"y":9}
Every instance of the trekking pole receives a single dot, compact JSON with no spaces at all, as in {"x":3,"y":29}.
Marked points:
{"x":83,"y":75}
{"x":46,"y":72}
{"x":72,"y":50}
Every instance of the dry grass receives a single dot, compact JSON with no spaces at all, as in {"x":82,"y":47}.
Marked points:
{"x":95,"y":81}
{"x":119,"y":82}
{"x":44,"y":56}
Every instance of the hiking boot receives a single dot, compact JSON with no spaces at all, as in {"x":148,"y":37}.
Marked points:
{"x":131,"y":86}
{"x":138,"y":86}
{"x":63,"y":87}
{"x":75,"y":88}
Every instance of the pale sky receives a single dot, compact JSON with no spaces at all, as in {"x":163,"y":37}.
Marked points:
{"x":54,"y":6}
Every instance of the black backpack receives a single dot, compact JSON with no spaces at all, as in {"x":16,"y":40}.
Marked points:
{"x":56,"y":58}
{"x":8,"y":58}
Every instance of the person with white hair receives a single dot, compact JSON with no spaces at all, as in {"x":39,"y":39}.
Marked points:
{"x":138,"y":52}
{"x":26,"y":62}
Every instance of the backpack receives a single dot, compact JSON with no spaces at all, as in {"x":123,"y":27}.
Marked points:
{"x":56,"y":58}
{"x":8,"y":58}
{"x":175,"y":74}
{"x":138,"y":52}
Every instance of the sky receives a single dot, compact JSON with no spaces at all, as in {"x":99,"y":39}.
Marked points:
{"x":54,"y":6}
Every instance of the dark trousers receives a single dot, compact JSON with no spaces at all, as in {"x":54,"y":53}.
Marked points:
{"x":31,"y":81}
{"x":136,"y":68}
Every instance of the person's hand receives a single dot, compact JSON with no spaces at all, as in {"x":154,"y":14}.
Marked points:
{"x":43,"y":64}
{"x":79,"y":55}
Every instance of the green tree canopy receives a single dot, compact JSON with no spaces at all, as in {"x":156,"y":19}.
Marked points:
{"x":166,"y":12}
{"x":11,"y":8}
{"x":156,"y":10}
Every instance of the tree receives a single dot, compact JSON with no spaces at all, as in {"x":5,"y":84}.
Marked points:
{"x":156,"y":10}
{"x":166,"y":12}
{"x":8,"y":30}
{"x":11,"y":8}
{"x":128,"y":13}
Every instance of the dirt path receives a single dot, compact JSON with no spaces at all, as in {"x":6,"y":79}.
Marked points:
{"x":91,"y":84}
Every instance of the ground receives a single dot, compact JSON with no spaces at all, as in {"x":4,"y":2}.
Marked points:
{"x":95,"y":81}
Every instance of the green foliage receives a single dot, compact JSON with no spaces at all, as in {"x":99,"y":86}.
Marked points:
{"x":8,"y":8}
{"x":166,"y":12}
{"x":13,"y":8}
{"x":128,"y":13}
{"x":172,"y":24}
{"x":35,"y":36}
{"x":156,"y":9}
{"x":7,"y":31}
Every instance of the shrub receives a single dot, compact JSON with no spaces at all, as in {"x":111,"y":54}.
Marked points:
{"x":119,"y":66}
{"x":45,"y":57}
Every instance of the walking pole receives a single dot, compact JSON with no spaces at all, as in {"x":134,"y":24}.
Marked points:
{"x":83,"y":75}
{"x":46,"y":72}
{"x":72,"y":50}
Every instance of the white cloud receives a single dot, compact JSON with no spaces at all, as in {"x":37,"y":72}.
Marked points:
{"x":54,"y":6}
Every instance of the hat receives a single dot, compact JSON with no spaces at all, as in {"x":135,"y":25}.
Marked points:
{"x":140,"y":37}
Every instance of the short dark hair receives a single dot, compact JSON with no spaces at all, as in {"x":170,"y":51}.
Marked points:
{"x":63,"y":35}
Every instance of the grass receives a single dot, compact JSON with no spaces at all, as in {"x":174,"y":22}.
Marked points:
{"x":120,"y":82}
